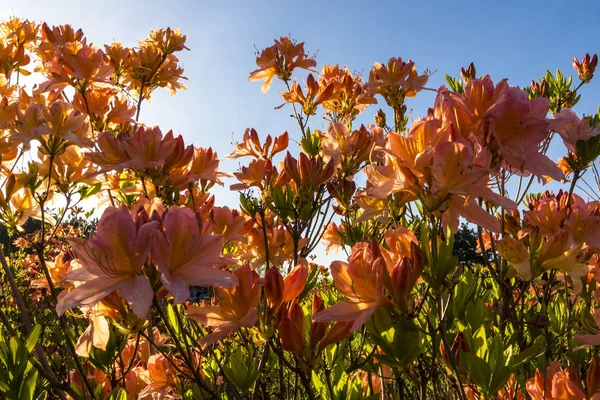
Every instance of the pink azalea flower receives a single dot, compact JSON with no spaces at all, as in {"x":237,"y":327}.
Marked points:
{"x":111,"y":260}
{"x":185,"y":256}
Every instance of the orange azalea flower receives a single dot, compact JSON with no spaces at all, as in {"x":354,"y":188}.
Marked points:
{"x":229,"y":223}
{"x":8,"y":112}
{"x":118,"y":58}
{"x":53,"y":38}
{"x":279,"y":61}
{"x":168,"y":40}
{"x":351,"y":95}
{"x":348,"y":149}
{"x":17,"y":204}
{"x":150,"y":154}
{"x":516,"y":254}
{"x":315,"y":95}
{"x":511,"y":391}
{"x":294,"y":282}
{"x":58,"y":120}
{"x":280,"y":246}
{"x":331,"y":236}
{"x":259,"y":173}
{"x":97,"y":333}
{"x":361,"y":281}
{"x":78,"y":65}
{"x":251,"y":146}
{"x":111,"y":260}
{"x":59,"y":269}
{"x":586,"y":68}
{"x":120,"y":112}
{"x":148,"y":148}
{"x":305,"y":343}
{"x":98,"y":102}
{"x":444,"y":170}
{"x":20,"y":32}
{"x":203,"y":166}
{"x":308,"y":173}
{"x":112,"y":154}
{"x":185,"y":256}
{"x":135,"y":382}
{"x":555,"y":384}
{"x":148,"y":68}
{"x":161,"y":378}
{"x":396,"y":80}
{"x":236,"y":307}
{"x":69,"y":169}
{"x":279,"y":290}
{"x":12,"y":58}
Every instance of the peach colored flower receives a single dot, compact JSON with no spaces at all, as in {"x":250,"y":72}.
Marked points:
{"x":361,"y":280}
{"x":396,"y":80}
{"x":251,"y":146}
{"x":279,"y":61}
{"x":576,"y":129}
{"x":236,"y":307}
{"x":185,"y":256}
{"x":111,"y":260}
{"x":557,"y":385}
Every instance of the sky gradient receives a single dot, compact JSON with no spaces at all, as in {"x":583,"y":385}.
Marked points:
{"x":518,"y":40}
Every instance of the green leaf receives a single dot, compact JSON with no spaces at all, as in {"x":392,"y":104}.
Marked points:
{"x":499,"y":379}
{"x":33,"y":337}
{"x":527,"y":355}
{"x":478,"y":370}
{"x":28,"y":385}
{"x":475,"y":313}
{"x":121,"y":394}
{"x":173,"y":318}
{"x":92,"y":190}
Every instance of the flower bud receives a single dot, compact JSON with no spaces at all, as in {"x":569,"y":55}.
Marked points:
{"x":380,"y":118}
{"x":317,"y":329}
{"x":458,"y":346}
{"x":469,"y":74}
{"x":593,"y":377}
{"x":342,"y":191}
{"x":294,"y":282}
{"x":296,"y":315}
{"x":273,"y":288}
{"x":338,"y":332}
{"x":539,"y":89}
{"x":402,"y":282}
{"x":586,"y":67}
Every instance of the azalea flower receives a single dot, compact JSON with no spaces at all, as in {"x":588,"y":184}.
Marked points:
{"x":185,"y":256}
{"x":350,"y":95}
{"x":307,"y":341}
{"x":396,"y":80}
{"x":229,"y":223}
{"x":575,"y":129}
{"x":361,"y":280}
{"x":236,"y":307}
{"x":279,"y":61}
{"x":555,"y":384}
{"x":161,"y":378}
{"x":111,"y":260}
{"x":315,"y":95}
{"x":251,"y":146}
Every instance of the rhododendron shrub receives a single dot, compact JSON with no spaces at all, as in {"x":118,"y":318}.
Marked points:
{"x":170,"y":295}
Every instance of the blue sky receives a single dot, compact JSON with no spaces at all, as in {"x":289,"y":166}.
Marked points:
{"x":514,"y":39}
